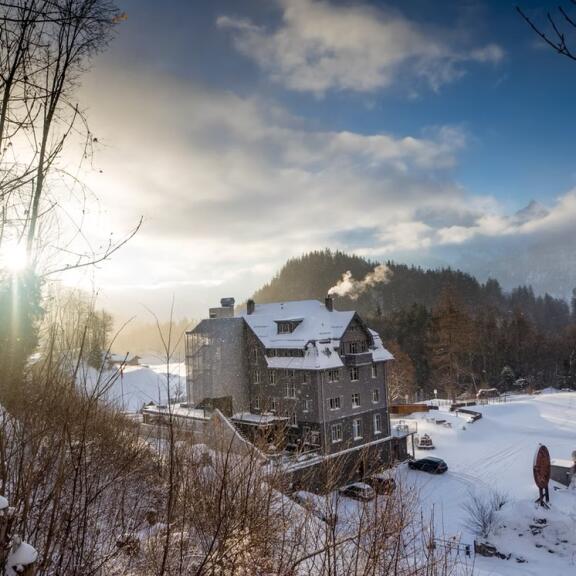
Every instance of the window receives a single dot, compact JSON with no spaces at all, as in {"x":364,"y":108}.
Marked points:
{"x":374,"y":371}
{"x":256,"y":376}
{"x":290,"y":390}
{"x":272,"y":377}
{"x":336,"y":432}
{"x":274,"y":405}
{"x":354,"y":373}
{"x":284,"y":353}
{"x":377,"y":424}
{"x":304,"y":377}
{"x":256,"y":403}
{"x":293,"y":420}
{"x":375,"y":395}
{"x":356,"y":400}
{"x":357,"y":428}
{"x":284,"y":327}
{"x":334,"y":375}
{"x":335,"y":403}
{"x":307,"y":405}
{"x":357,"y":347}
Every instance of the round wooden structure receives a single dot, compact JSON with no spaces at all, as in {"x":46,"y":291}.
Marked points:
{"x":542,"y":467}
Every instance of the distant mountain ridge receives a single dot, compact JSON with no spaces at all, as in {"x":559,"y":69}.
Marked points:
{"x":312,"y":275}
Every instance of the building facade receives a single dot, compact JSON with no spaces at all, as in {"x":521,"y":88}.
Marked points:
{"x":320,"y":372}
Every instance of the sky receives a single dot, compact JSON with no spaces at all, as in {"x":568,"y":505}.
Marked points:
{"x":245,"y":132}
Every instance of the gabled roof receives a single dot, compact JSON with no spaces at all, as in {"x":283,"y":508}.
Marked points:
{"x":318,"y":323}
{"x":318,"y":334}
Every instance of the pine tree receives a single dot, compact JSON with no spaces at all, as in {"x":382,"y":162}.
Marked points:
{"x":99,"y":328}
{"x":451,"y":345}
{"x":507,"y":378}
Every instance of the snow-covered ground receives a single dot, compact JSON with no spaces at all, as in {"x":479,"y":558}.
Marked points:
{"x":138,"y":385}
{"x":493,"y":454}
{"x":496,"y":453}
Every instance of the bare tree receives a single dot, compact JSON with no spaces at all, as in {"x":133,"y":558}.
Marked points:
{"x":559,"y":32}
{"x":45,"y":46}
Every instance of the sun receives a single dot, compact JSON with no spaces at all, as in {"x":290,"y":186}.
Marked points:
{"x":13,"y":257}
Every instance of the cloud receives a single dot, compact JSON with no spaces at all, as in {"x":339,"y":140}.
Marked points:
{"x":231,"y":186}
{"x":240,"y":169}
{"x":320,"y":46}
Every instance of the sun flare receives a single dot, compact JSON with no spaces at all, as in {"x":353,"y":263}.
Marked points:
{"x":13,"y":257}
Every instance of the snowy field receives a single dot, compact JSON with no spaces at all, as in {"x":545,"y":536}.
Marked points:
{"x":496,"y":453}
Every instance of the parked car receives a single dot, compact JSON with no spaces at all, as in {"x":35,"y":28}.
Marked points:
{"x":316,"y":505}
{"x":358,"y":491}
{"x":381,"y":483}
{"x":429,"y":464}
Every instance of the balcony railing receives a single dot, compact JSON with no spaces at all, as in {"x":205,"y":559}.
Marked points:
{"x":359,"y":359}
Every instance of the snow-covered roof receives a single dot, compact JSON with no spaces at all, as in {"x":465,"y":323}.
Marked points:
{"x":318,"y":333}
{"x":317,"y":356}
{"x":379,"y":354}
{"x":181,"y":410}
{"x":250,"y":418}
{"x":317,"y":323}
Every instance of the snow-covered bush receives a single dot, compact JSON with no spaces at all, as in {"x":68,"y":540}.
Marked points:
{"x":481,"y":510}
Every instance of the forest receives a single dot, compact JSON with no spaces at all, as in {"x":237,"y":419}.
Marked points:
{"x":447,"y":330}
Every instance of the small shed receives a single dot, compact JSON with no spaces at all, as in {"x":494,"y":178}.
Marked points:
{"x":484,"y":393}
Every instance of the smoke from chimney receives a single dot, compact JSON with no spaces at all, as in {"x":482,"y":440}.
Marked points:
{"x":349,"y":286}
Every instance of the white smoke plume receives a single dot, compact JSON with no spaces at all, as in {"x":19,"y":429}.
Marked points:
{"x":349,"y":286}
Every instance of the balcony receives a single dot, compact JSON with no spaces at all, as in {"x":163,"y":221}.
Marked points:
{"x":403,"y":428}
{"x":360,"y":359}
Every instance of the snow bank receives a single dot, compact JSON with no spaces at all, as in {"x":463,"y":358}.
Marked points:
{"x":133,"y":386}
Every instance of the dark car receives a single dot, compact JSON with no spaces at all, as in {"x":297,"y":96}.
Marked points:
{"x":358,"y":491}
{"x":429,"y":464}
{"x":381,"y":483}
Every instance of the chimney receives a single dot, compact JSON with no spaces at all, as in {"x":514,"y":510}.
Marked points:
{"x":226,"y":309}
{"x":250,"y":307}
{"x":329,"y":303}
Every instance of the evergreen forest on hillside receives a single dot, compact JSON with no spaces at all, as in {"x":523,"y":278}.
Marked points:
{"x":447,"y":330}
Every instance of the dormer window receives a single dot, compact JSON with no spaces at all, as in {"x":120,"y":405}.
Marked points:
{"x":287,"y":326}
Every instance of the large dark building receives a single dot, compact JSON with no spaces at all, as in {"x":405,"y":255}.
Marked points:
{"x":317,"y":372}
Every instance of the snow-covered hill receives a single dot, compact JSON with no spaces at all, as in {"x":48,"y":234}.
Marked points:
{"x":134,"y":386}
